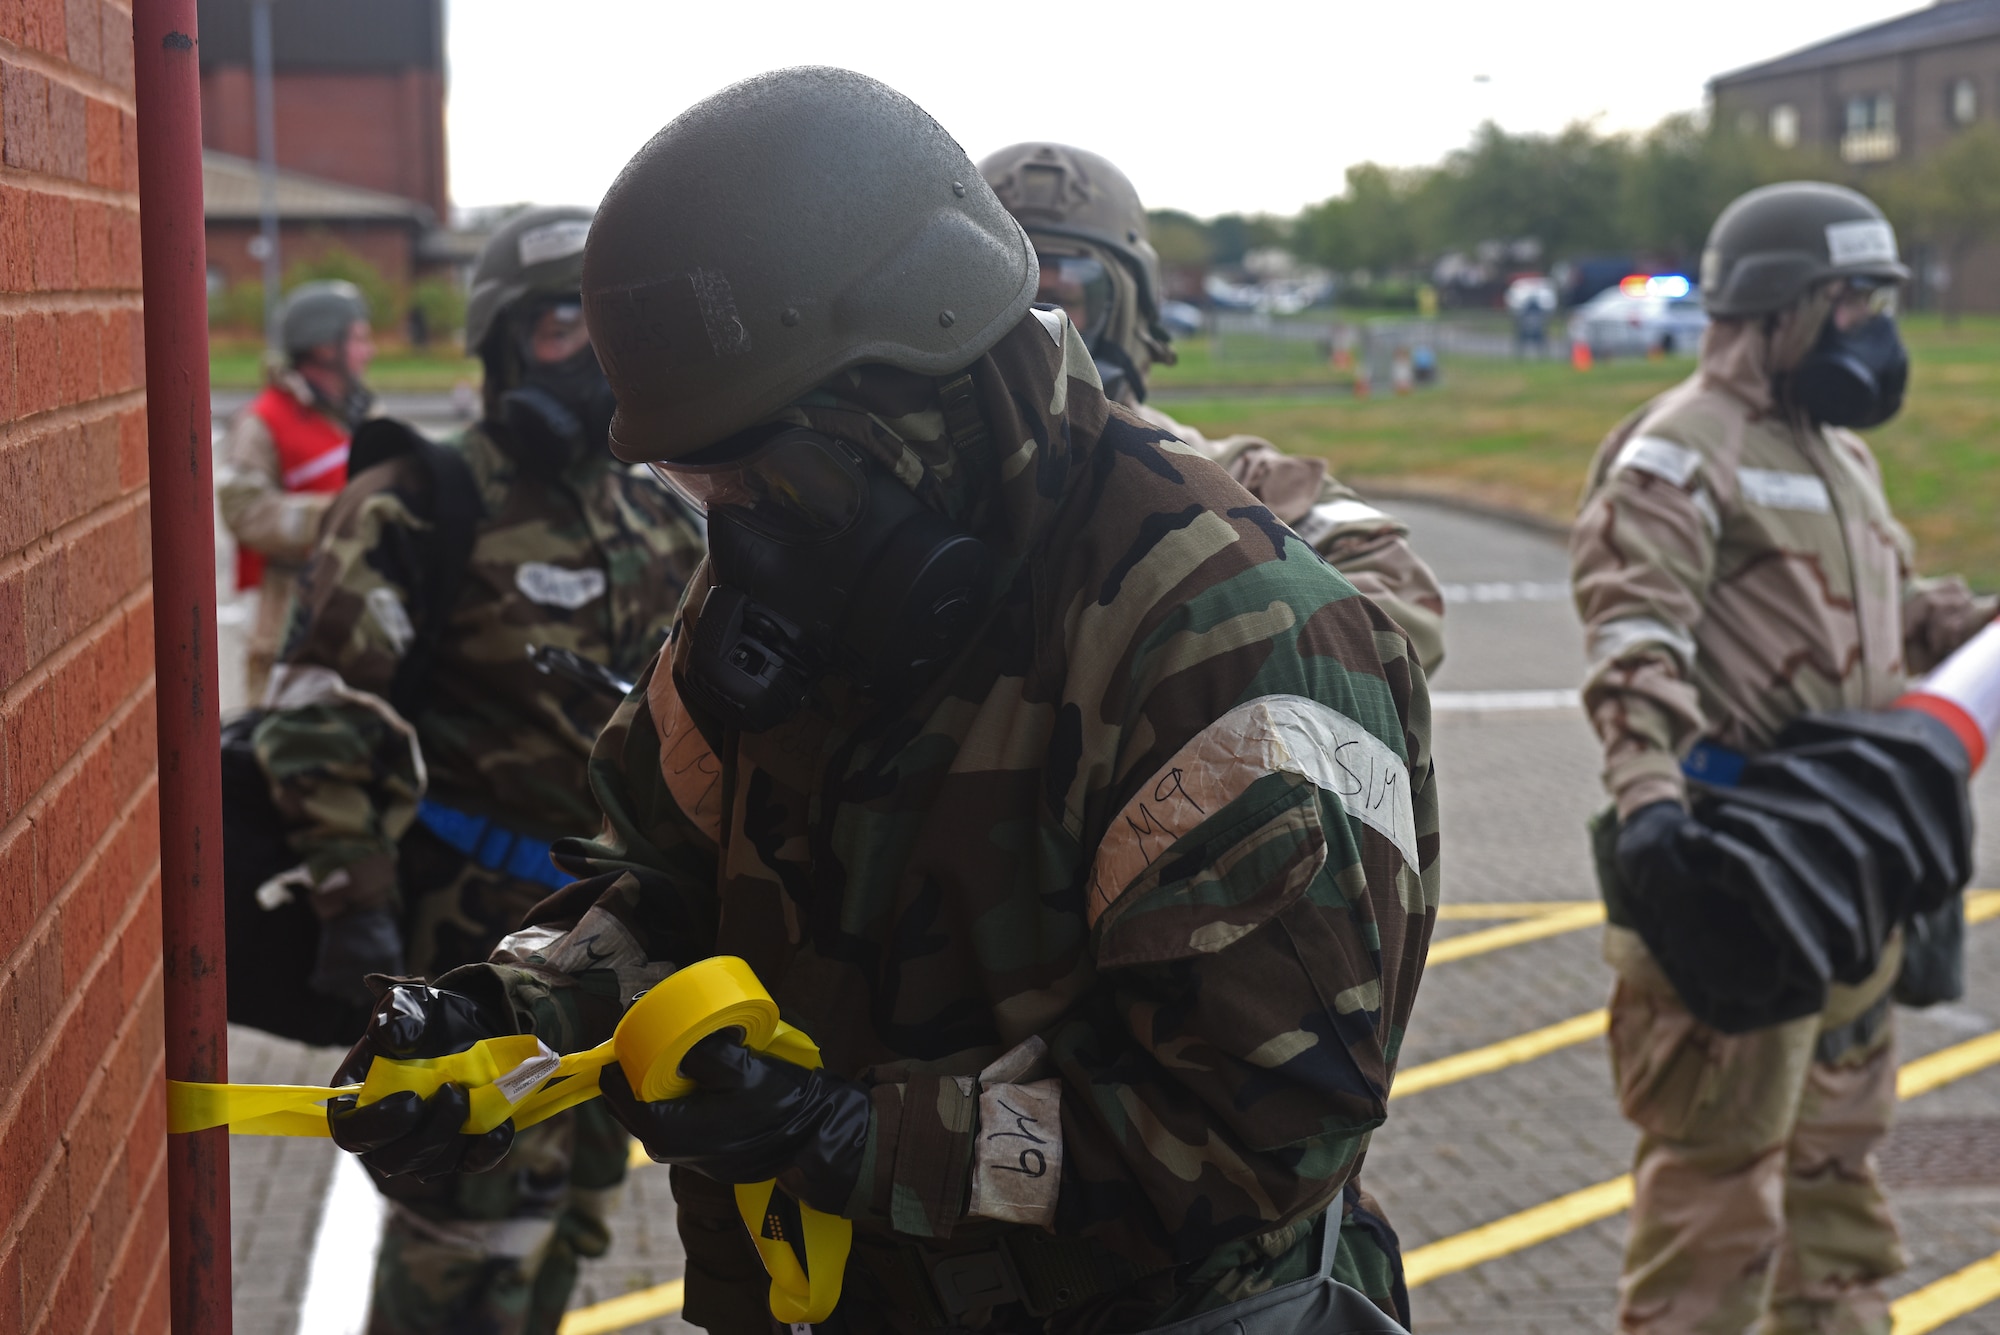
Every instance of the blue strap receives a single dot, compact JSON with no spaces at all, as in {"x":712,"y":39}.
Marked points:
{"x":1715,"y":765}
{"x":492,"y":846}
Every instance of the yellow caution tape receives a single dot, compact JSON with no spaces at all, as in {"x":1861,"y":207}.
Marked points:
{"x":518,"y":1077}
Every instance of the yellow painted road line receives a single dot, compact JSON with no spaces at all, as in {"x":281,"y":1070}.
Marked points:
{"x":1498,"y":1056}
{"x":624,"y":1313}
{"x":636,"y":1157}
{"x":1552,"y":1219}
{"x":1504,"y":909}
{"x":1948,"y":1299}
{"x":1981,"y":905}
{"x":1569,"y":919}
{"x":1924,"y":1074}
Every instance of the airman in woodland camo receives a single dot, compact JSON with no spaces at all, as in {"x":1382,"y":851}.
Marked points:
{"x":1737,"y":567}
{"x":1090,"y":234}
{"x":424,"y":815}
{"x":1055,"y":787}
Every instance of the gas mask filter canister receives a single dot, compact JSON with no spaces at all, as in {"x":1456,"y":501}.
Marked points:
{"x":822,"y":563}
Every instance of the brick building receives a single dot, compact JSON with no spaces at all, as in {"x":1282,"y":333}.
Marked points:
{"x":1881,"y":97}
{"x":358,"y":112}
{"x":83,"y":1239}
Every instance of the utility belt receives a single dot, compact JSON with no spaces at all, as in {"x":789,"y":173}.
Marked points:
{"x":492,"y":845}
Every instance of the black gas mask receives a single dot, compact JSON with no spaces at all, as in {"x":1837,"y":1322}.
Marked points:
{"x":822,"y":562}
{"x":558,"y":410}
{"x":1854,"y":377}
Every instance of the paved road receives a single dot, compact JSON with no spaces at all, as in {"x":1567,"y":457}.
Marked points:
{"x":1517,"y":785}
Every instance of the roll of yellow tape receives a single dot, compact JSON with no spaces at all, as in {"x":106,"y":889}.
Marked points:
{"x":517,"y":1077}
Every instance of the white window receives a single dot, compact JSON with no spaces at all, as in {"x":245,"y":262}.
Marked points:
{"x":1871,"y":128}
{"x":1963,"y":102}
{"x":1785,"y":125}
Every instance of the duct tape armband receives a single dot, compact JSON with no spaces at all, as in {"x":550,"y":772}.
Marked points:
{"x":517,"y":1077}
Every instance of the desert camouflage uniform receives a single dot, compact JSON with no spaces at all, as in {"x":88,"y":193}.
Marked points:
{"x":1147,"y":877}
{"x":267,"y":518}
{"x":1369,"y":546}
{"x":1736,"y":567}
{"x":594,"y":561}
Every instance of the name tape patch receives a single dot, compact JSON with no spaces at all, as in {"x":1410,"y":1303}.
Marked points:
{"x":555,"y":586}
{"x":1775,"y":489}
{"x":1863,"y":241}
{"x":553,"y":241}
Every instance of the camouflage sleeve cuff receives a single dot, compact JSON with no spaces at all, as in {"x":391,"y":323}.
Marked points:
{"x":569,"y":1013}
{"x":1650,"y":784}
{"x":942,"y":1149}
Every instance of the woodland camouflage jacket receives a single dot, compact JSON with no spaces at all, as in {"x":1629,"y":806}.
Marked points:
{"x":1369,"y":546}
{"x":1143,"y":884}
{"x":1736,"y":566}
{"x":592,"y":559}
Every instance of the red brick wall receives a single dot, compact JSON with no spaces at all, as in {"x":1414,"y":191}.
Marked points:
{"x":381,"y":131}
{"x":83,"y":1244}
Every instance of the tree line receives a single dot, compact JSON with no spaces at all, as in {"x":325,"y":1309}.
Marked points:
{"x":1582,"y":192}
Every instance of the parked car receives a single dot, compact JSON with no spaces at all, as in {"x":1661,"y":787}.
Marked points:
{"x":1660,"y":313}
{"x":1184,"y":318}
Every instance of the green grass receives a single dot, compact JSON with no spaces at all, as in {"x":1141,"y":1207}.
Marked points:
{"x":1521,"y":434}
{"x":237,"y":364}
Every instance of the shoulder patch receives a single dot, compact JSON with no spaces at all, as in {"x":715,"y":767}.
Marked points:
{"x":1327,"y":516}
{"x":1665,"y":459}
{"x":1274,"y":734}
{"x":558,"y":586}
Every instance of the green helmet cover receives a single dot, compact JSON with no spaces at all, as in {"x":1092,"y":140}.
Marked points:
{"x":535,"y":253}
{"x":779,"y":232}
{"x":1772,"y":246}
{"x":318,"y":313}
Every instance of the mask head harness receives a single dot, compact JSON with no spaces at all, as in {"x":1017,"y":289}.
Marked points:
{"x":823,"y":561}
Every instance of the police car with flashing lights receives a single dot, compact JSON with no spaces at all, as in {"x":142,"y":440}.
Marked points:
{"x":1646,"y":314}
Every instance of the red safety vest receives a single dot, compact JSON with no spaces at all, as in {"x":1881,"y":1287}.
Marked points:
{"x":312,"y":456}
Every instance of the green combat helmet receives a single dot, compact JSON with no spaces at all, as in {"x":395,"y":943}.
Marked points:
{"x":1773,"y":245}
{"x":535,"y":253}
{"x":316,"y":314}
{"x":775,"y":234}
{"x":1056,"y":190}
{"x":1077,"y":204}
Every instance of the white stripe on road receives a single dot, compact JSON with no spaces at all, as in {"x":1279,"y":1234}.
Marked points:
{"x":1502,"y":702}
{"x":343,"y":1254}
{"x":1505,"y":591}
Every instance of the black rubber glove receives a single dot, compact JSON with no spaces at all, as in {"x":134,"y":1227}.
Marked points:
{"x":403,"y":1133}
{"x":352,"y":946}
{"x":1658,"y":846}
{"x":753,"y":1118}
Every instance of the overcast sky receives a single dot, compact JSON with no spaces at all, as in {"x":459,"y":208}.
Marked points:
{"x":1242,"y":105}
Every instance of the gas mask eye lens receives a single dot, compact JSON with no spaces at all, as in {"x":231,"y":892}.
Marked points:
{"x":790,"y":483}
{"x":1081,"y":286}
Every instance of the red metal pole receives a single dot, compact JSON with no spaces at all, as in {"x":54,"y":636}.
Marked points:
{"x":174,"y":256}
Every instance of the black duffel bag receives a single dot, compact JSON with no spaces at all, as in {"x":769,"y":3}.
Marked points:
{"x":273,"y":934}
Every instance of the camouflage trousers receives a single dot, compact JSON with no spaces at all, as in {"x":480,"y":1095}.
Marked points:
{"x":1756,"y":1203}
{"x":497,"y":1253}
{"x":489,"y":1253}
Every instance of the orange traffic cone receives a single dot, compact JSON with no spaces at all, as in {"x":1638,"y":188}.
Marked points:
{"x":1579,"y":355}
